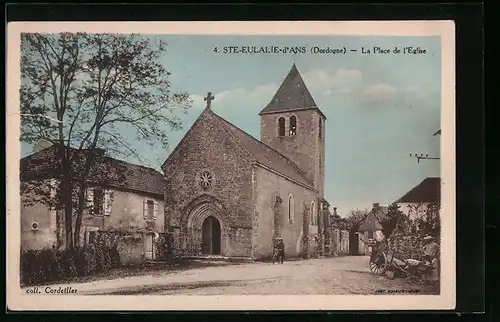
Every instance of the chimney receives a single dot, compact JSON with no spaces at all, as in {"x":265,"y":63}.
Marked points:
{"x":376,"y":205}
{"x":335,"y":211}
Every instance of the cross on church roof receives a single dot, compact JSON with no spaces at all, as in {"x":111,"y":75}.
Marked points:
{"x":209,"y":99}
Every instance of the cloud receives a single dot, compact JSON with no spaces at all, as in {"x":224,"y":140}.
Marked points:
{"x":345,"y":82}
{"x":350,"y":84}
{"x":379,"y":93}
{"x":342,"y":81}
{"x":412,"y":88}
{"x":347,"y":76}
{"x":319,"y":82}
{"x":198,"y":101}
{"x":258,"y":96}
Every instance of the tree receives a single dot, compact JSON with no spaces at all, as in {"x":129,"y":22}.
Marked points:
{"x":393,"y":221}
{"x":355,"y":218}
{"x":426,"y":219}
{"x":86,"y":93}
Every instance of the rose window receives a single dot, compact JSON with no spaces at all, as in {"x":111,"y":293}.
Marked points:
{"x":206,"y":179}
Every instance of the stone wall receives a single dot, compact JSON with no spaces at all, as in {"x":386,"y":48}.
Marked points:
{"x":306,"y":148}
{"x":269,"y":186}
{"x":126,"y":214}
{"x":38,"y":222}
{"x":131,"y":249}
{"x":339,"y":242}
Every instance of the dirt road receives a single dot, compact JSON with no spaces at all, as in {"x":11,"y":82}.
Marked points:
{"x":328,"y":276}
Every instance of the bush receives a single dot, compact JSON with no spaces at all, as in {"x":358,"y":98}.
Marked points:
{"x":407,"y":246}
{"x":163,"y":245}
{"x":48,"y":265}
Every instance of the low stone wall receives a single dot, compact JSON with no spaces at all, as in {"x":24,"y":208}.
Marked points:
{"x":339,"y":242}
{"x":135,"y":247}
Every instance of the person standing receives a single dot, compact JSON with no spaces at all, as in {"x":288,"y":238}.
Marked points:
{"x":431,"y":255}
{"x":281,"y":250}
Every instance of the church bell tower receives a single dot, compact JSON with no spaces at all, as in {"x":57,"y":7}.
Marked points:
{"x":293,"y":125}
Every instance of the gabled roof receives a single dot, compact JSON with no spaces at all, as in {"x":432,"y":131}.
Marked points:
{"x":373,"y":219}
{"x":429,"y":190}
{"x":265,"y":155}
{"x":110,"y":172}
{"x":135,"y":177}
{"x":292,"y":95}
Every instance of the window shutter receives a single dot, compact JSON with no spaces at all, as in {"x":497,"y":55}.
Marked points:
{"x":90,"y":200}
{"x":107,"y":203}
{"x":155,"y":211}
{"x":145,"y":209}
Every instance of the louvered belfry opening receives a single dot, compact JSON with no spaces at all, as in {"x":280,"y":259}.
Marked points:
{"x":293,"y":126}
{"x":281,"y":127}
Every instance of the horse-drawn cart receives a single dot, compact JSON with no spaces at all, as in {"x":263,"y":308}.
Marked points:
{"x":389,"y":263}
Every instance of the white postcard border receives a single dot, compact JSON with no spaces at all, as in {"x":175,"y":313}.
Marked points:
{"x":447,"y":298}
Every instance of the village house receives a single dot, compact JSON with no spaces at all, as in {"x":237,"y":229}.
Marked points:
{"x":412,"y":204}
{"x":415,"y":202}
{"x":128,"y":198}
{"x":370,"y":229}
{"x":229,"y":194}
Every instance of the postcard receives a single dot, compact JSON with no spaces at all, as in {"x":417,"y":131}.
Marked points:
{"x":294,"y":165}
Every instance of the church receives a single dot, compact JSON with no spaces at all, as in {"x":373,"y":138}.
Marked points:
{"x":230,"y":194}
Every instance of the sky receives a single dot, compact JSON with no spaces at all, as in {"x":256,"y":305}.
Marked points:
{"x":379,"y":107}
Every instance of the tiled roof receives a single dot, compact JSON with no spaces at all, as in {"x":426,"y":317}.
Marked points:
{"x":136,"y":177}
{"x":429,"y":190}
{"x":373,"y":219}
{"x":292,"y":95}
{"x":266,"y":155}
{"x":111,"y":172}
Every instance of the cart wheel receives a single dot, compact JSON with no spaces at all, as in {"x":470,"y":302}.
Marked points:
{"x":378,"y":264}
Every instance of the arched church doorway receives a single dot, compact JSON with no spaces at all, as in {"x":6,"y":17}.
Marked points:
{"x":206,"y":230}
{"x":211,"y":236}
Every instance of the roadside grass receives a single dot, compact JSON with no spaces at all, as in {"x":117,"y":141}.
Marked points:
{"x":145,"y":269}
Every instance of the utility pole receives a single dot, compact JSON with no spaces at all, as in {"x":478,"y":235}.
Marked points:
{"x":421,"y":156}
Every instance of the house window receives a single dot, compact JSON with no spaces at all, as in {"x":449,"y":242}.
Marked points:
{"x":320,"y":124}
{"x":281,"y":126}
{"x":91,"y":235}
{"x":98,"y":202}
{"x":370,"y":234}
{"x":293,"y":125}
{"x":313,"y":214}
{"x":150,"y":209}
{"x":291,"y":208}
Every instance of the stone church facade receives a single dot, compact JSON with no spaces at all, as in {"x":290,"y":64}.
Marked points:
{"x":229,"y":194}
